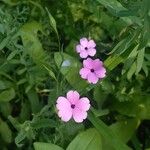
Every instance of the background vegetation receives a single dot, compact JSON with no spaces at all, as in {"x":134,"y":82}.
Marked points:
{"x":38,"y":63}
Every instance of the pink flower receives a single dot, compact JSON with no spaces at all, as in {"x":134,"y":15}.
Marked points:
{"x":86,"y":48}
{"x":73,"y":106}
{"x":92,"y":70}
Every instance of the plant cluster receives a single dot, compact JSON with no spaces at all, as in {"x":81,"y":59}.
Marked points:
{"x":105,"y":80}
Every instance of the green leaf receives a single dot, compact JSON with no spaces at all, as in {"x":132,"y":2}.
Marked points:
{"x":52,"y":21}
{"x":5,"y":84}
{"x":112,"y":61}
{"x":131,"y":71}
{"x":5,"y":131}
{"x":136,"y":143}
{"x":70,"y":129}
{"x":21,"y":71}
{"x":25,"y":111}
{"x":34,"y":100}
{"x":25,"y":132}
{"x":140,"y":59}
{"x":43,"y":123}
{"x":46,"y":146}
{"x":6,"y":109}
{"x":131,"y":58}
{"x":145,"y":68}
{"x":107,"y":133}
{"x":113,"y":5}
{"x":2,"y":85}
{"x":139,"y":107}
{"x":7,"y":95}
{"x":123,"y":45}
{"x":118,"y":46}
{"x":14,"y":122}
{"x":69,"y":67}
{"x":99,"y":94}
{"x":19,"y":138}
{"x":87,"y":140}
{"x":145,"y":33}
{"x":2,"y":28}
{"x":51,"y":73}
{"x":118,"y":10}
{"x":4,"y":42}
{"x":11,"y":2}
{"x":12,"y":55}
{"x":31,"y":42}
{"x":22,"y":81}
{"x":125,"y":129}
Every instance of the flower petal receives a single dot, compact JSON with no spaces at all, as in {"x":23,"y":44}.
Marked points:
{"x":62,"y":103}
{"x":73,"y":97}
{"x":83,"y":54}
{"x":92,"y":51}
{"x":91,"y":44}
{"x":65,"y":115}
{"x":79,"y":115}
{"x":84,"y":72}
{"x":84,"y":42}
{"x":78,"y":48}
{"x":64,"y":109}
{"x":97,"y":64}
{"x":88,"y":63}
{"x":101,"y":73}
{"x":83,"y":104}
{"x":92,"y":78}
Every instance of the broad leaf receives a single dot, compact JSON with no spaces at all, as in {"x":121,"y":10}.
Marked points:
{"x":31,"y":42}
{"x":5,"y":131}
{"x":34,"y":100}
{"x":46,"y":146}
{"x":70,"y":67}
{"x":107,"y":133}
{"x":116,"y":8}
{"x":7,"y":95}
{"x":87,"y":140}
{"x":139,"y":107}
{"x":125,"y":129}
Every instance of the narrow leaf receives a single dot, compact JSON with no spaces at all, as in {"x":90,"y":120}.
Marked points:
{"x":131,"y":71}
{"x":52,"y":21}
{"x":140,"y":59}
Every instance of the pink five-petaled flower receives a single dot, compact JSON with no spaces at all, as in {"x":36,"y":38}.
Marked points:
{"x":72,"y":106}
{"x":86,"y":48}
{"x":92,"y":70}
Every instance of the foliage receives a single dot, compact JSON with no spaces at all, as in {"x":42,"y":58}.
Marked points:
{"x":38,"y":63}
